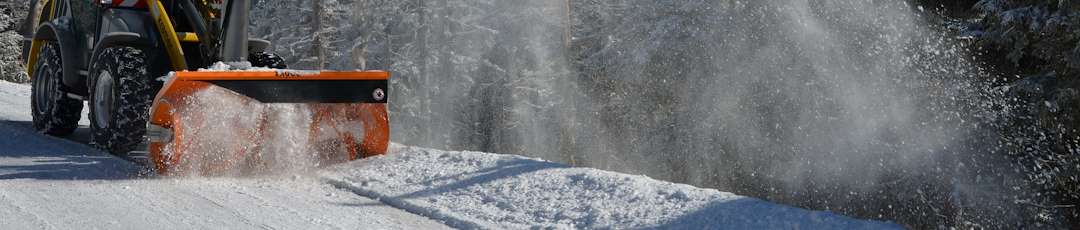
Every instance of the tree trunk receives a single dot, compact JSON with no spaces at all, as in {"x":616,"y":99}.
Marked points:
{"x":425,"y":102}
{"x":567,"y":26}
{"x":318,"y":48}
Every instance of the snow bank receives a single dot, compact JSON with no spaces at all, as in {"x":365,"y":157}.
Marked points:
{"x":483,"y":190}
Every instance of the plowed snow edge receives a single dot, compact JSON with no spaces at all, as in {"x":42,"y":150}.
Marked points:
{"x":491,"y":191}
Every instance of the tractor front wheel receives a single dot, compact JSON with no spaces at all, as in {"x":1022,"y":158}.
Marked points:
{"x":121,"y":91}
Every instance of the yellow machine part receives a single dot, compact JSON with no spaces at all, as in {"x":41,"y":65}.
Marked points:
{"x":168,"y":35}
{"x":36,"y":44}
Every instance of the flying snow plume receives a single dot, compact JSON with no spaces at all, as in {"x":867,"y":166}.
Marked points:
{"x":855,"y":106}
{"x":221,"y":133}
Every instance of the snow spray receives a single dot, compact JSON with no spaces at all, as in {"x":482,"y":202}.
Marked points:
{"x":856,"y":106}
{"x":226,"y":134}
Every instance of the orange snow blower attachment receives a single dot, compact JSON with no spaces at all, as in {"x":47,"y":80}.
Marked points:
{"x":233,"y":119}
{"x":212,"y":121}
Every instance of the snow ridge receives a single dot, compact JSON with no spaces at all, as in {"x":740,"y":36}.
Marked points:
{"x":445,"y":218}
{"x":476,"y":190}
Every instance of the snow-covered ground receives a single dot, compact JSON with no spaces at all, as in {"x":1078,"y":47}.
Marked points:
{"x":483,"y":190}
{"x":55,"y":183}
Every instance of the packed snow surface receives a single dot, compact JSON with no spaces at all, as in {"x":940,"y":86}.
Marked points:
{"x":55,"y":183}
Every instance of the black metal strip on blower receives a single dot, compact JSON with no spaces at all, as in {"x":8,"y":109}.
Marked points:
{"x":310,"y":91}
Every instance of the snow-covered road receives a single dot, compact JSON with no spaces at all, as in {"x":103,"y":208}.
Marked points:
{"x":55,"y":183}
{"x":217,"y":203}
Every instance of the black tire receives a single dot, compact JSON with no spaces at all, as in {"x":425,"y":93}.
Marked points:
{"x":121,"y":90}
{"x":268,"y":60}
{"x":53,"y":112}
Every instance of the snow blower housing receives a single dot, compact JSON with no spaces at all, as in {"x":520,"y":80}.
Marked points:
{"x":112,"y":54}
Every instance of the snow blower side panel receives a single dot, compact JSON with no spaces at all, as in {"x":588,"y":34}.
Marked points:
{"x":335,"y":100}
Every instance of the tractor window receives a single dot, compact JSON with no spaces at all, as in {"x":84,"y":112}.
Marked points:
{"x":86,"y":15}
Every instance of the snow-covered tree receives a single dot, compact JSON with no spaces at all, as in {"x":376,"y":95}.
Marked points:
{"x":12,"y":15}
{"x":1035,"y":46}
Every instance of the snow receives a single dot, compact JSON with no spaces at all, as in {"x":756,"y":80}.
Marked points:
{"x":55,"y":183}
{"x":284,"y":144}
{"x":217,"y":203}
{"x":484,"y":190}
{"x":234,"y":66}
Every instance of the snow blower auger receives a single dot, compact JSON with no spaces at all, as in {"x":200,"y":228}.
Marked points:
{"x":114,"y":54}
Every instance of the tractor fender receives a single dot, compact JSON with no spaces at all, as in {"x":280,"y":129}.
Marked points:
{"x":129,"y":27}
{"x":71,"y":50}
{"x":121,"y":39}
{"x":126,"y":27}
{"x":258,"y":45}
